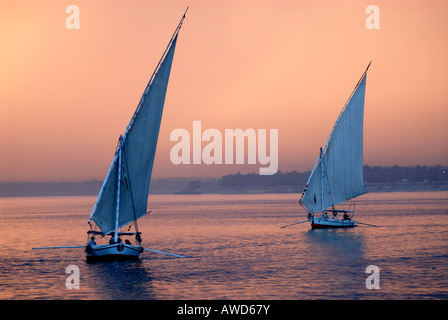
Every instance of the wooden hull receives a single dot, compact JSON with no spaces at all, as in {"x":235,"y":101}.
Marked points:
{"x":320,"y":223}
{"x":117,"y":251}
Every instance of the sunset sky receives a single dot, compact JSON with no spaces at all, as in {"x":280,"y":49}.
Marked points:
{"x":67,"y":95}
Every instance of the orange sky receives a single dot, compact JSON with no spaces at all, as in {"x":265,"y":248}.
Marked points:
{"x":67,"y":95}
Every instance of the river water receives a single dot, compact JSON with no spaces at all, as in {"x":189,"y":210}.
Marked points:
{"x":234,"y":248}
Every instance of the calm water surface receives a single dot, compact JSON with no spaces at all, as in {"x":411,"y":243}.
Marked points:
{"x":235,"y":249}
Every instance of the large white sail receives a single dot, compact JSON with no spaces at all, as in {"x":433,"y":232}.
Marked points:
{"x":135,"y":154}
{"x":339,"y":168}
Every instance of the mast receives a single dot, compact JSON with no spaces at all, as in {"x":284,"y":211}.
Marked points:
{"x":322,"y":182}
{"x":117,"y":212}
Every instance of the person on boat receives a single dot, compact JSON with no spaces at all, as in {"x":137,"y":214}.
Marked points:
{"x":92,"y":241}
{"x":346,"y":217}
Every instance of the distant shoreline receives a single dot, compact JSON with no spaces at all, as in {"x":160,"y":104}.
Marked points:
{"x":175,"y":186}
{"x":377,"y":179}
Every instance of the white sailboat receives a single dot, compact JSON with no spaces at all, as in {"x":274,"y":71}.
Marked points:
{"x":337,"y":175}
{"x":123,"y":197}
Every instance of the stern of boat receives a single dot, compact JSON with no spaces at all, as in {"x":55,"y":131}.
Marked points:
{"x":321,"y":223}
{"x":116,"y":251}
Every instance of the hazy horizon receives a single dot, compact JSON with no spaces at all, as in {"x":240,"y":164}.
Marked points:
{"x":67,"y":95}
{"x":184,"y":178}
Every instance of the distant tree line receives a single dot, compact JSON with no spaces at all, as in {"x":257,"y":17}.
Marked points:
{"x":376,"y":174}
{"x":292,"y":179}
{"x":405,"y":174}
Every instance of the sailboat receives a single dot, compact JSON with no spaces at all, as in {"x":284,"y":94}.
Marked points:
{"x":123,"y":197}
{"x":337,"y":175}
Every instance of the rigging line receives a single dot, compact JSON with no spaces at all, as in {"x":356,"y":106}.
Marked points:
{"x":327,"y":184}
{"x":130,"y":189}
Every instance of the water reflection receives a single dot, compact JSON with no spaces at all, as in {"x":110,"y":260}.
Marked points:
{"x":119,"y":280}
{"x":337,"y":243}
{"x":339,"y":261}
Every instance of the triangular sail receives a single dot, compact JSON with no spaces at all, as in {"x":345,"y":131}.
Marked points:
{"x":339,"y":168}
{"x":137,"y":152}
